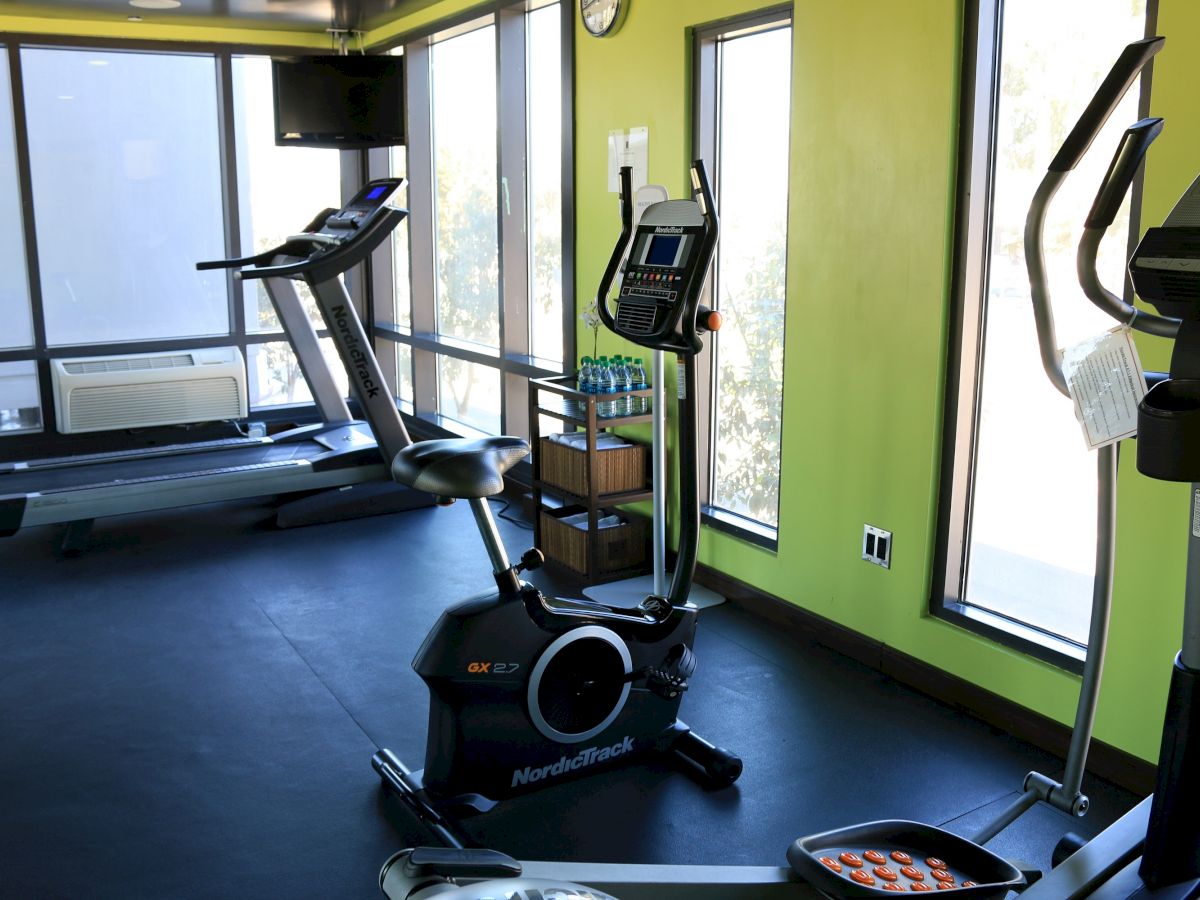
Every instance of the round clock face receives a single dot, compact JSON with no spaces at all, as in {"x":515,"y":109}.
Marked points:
{"x":600,"y":16}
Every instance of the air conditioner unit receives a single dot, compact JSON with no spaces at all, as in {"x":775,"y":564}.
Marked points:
{"x":103,"y":393}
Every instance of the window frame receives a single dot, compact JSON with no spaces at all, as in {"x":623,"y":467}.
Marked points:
{"x":48,"y":440}
{"x":706,"y":114}
{"x":513,"y":359}
{"x":978,"y":110}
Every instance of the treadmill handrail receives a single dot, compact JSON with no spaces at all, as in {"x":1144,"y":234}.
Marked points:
{"x":328,"y":263}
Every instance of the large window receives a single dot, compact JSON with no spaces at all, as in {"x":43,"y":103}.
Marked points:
{"x":122,"y":168}
{"x":481,"y":283}
{"x":744,"y":110}
{"x":119,"y":170}
{"x":1019,"y":514}
{"x":126,"y":175}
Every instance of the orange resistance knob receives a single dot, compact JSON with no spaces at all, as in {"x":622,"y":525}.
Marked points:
{"x":709,"y":319}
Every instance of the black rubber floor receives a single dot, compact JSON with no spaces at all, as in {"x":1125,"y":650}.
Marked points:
{"x":189,"y":710}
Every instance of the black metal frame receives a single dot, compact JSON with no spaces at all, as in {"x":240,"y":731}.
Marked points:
{"x":48,"y":440}
{"x":706,"y":110}
{"x":512,"y":360}
{"x":982,"y":46}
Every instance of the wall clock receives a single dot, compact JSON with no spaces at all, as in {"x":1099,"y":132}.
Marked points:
{"x":602,"y":17}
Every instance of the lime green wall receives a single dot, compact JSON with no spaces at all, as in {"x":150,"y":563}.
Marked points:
{"x":870,"y":221}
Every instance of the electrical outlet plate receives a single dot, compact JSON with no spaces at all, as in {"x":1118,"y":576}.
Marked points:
{"x":877,"y":546}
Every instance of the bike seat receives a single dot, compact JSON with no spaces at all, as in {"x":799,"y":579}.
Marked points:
{"x":459,"y":467}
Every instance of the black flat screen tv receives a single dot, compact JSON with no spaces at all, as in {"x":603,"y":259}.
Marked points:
{"x":347,"y":102}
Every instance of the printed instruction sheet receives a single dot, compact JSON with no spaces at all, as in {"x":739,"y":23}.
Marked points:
{"x":1104,"y":377}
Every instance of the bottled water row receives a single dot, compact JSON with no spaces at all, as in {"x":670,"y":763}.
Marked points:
{"x":616,"y":377}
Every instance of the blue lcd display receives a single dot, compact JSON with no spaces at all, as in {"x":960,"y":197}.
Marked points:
{"x":663,"y":250}
{"x":377,"y":192}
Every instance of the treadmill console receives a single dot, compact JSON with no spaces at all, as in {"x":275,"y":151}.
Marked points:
{"x":359,"y":212}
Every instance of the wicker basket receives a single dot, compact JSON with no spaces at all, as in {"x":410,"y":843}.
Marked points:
{"x":617,"y":468}
{"x":619,"y":546}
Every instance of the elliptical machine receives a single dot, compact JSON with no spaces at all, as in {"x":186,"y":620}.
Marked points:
{"x":527,"y":690}
{"x":1154,"y":850}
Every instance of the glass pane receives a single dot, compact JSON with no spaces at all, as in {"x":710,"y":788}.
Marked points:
{"x":275,"y":377}
{"x":402,"y":285}
{"x":20,"y":399}
{"x":753,"y":133}
{"x":280,"y":189}
{"x":14,"y":285}
{"x":127,"y":186}
{"x":545,"y":183}
{"x":404,"y":376}
{"x":469,"y":393}
{"x":1033,"y":526}
{"x":464,"y":158}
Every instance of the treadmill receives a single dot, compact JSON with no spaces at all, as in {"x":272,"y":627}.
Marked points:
{"x":337,"y":452}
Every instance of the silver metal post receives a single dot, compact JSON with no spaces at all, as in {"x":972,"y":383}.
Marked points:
{"x":1190,"y":654}
{"x":1093,"y":664}
{"x":659,"y":467}
{"x":490,"y":535}
{"x":1008,"y":815}
{"x":355,"y":348}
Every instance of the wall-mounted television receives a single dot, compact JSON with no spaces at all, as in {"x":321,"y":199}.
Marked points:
{"x":347,"y":102}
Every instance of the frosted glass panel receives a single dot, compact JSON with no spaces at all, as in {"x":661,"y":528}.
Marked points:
{"x":469,"y":393}
{"x":464,"y":159}
{"x":275,"y":376}
{"x":14,"y":287}
{"x":545,"y":183}
{"x":127,"y":188}
{"x":280,"y":189}
{"x":20,"y":402}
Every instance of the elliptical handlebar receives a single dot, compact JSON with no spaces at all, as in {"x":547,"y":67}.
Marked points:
{"x":1115,"y":85}
{"x":1111,"y":194}
{"x":1132,"y":61}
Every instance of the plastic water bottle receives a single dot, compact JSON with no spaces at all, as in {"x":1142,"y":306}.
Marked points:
{"x":625,"y":385}
{"x":641,"y":404}
{"x":584,"y":383}
{"x":608,"y":386}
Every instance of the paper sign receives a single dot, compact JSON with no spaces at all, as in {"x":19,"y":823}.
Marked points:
{"x":628,"y":148}
{"x":1105,"y":380}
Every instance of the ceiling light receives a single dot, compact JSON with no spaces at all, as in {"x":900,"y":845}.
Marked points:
{"x":155,"y":4}
{"x":99,"y":62}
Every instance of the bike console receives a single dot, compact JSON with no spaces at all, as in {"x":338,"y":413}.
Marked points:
{"x":657,"y":298}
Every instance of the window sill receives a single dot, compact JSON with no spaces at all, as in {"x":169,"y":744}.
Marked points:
{"x":740,"y":527}
{"x":515,"y":363}
{"x":1049,"y":648}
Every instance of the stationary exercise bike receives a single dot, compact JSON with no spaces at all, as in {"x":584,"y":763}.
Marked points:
{"x":528,"y":690}
{"x":570,"y":673}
